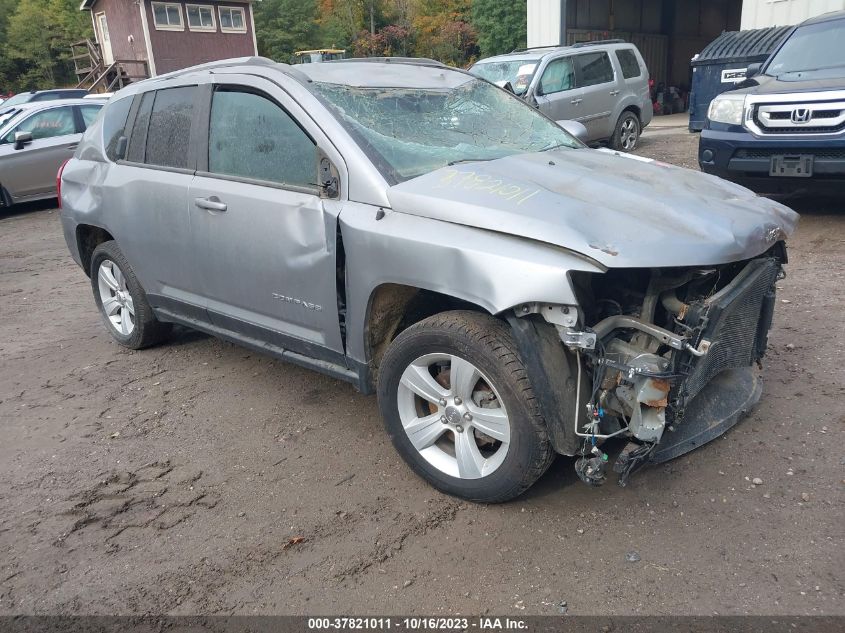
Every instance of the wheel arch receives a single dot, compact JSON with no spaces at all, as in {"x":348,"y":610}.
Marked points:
{"x":394,"y":307}
{"x":89,"y":237}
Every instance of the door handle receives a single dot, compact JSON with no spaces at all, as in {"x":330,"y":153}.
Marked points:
{"x":73,"y":146}
{"x":211,"y":203}
{"x":576,"y":101}
{"x":613,"y":93}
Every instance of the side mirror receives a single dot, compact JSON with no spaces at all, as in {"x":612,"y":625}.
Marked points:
{"x":505,"y":85}
{"x":328,"y":179}
{"x":576,"y":129}
{"x":22,"y":139}
{"x":753,"y":69}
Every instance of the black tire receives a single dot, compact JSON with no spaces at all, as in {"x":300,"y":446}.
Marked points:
{"x":146,"y":330}
{"x":627,"y":124}
{"x":485,"y":342}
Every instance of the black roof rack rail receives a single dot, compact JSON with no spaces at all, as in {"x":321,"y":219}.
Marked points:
{"x":598,"y":42}
{"x":537,"y":48}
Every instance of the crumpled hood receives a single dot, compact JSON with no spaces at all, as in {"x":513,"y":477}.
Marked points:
{"x":620,"y":210}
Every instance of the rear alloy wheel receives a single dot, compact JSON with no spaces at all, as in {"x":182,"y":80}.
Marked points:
{"x":116,"y":298}
{"x":627,"y":133}
{"x":122,"y":302}
{"x":459,"y":409}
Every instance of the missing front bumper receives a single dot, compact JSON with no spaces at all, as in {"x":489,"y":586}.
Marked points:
{"x":723,"y":402}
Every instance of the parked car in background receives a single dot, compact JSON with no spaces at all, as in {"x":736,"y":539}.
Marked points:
{"x":44,"y":95}
{"x":508,"y":292}
{"x":783,"y":129}
{"x":602,"y":84}
{"x":318,"y":55}
{"x":35,"y":139}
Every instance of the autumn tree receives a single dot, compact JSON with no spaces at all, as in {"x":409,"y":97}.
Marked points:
{"x":443,"y":31}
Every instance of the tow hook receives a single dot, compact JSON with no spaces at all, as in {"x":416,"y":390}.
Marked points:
{"x":591,"y":470}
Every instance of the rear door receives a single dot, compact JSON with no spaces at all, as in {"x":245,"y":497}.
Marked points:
{"x":557,"y":95}
{"x":148,"y":198}
{"x":596,"y":80}
{"x":263,"y":240}
{"x":30,"y":172}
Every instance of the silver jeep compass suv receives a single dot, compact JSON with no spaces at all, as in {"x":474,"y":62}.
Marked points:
{"x":507,"y":292}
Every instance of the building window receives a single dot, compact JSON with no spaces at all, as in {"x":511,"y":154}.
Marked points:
{"x":232,"y":20}
{"x":200,"y":17}
{"x":167,"y":16}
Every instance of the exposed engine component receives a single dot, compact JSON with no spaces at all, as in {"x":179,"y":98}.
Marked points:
{"x":644,"y":392}
{"x":591,"y":470}
{"x":652,"y":340}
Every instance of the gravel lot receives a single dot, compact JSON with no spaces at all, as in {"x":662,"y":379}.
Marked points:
{"x":198,"y":477}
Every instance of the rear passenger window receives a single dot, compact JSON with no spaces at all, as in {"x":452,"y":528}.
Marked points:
{"x":252,"y":137}
{"x":138,"y":137}
{"x":628,"y":63}
{"x":592,"y":69}
{"x":114,"y":122}
{"x":170,"y":127}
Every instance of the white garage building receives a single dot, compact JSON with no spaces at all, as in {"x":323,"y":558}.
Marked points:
{"x":758,"y":14}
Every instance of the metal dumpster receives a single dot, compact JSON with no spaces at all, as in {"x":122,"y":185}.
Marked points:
{"x":723,"y":62}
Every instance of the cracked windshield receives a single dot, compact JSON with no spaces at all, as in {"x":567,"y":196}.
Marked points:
{"x":412,"y":131}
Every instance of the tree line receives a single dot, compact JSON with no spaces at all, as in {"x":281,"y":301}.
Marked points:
{"x":452,"y":31}
{"x":35,"y":35}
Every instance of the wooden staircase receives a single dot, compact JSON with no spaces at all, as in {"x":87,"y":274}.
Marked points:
{"x":95,"y":76}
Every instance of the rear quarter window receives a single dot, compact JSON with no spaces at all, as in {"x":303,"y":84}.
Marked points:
{"x":138,"y":136}
{"x":628,"y":63}
{"x":114,"y":122}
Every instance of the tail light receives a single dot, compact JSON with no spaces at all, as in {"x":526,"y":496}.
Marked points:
{"x":59,"y":182}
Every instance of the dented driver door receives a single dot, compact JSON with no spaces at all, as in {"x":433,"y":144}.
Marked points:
{"x":263,"y":243}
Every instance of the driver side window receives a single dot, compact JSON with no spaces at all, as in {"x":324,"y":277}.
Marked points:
{"x":558,"y":76}
{"x":46,"y":124}
{"x":252,"y":137}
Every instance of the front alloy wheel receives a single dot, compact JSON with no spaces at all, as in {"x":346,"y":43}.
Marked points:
{"x":453,"y":416}
{"x":459,"y":408}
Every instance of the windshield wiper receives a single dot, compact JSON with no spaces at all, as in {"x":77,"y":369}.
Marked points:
{"x":470,"y":160}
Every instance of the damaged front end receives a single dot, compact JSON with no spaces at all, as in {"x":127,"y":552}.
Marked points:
{"x":667,"y":357}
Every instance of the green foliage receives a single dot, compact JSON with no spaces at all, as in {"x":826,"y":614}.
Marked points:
{"x":501,"y":26}
{"x":35,"y":35}
{"x":285,"y":26}
{"x":35,"y":39}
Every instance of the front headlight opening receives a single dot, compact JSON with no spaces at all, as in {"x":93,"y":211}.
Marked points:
{"x":727,"y":109}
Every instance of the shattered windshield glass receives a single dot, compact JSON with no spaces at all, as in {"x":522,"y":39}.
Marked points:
{"x":518,"y":72}
{"x":408,"y":132}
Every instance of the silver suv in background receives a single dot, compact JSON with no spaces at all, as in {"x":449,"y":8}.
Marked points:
{"x":35,"y":139}
{"x":603,"y":85}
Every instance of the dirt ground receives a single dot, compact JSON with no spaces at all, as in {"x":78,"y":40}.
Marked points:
{"x":198,"y":477}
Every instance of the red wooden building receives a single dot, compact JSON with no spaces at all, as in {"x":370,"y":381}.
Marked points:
{"x":145,"y":38}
